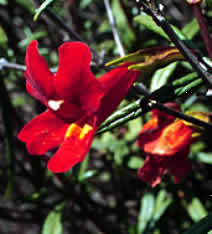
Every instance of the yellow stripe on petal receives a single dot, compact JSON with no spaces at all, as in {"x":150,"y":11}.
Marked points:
{"x":85,"y":130}
{"x":73,"y":130}
{"x":77,"y":131}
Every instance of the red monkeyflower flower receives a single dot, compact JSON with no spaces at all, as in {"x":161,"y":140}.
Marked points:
{"x":77,"y":103}
{"x":166,"y":142}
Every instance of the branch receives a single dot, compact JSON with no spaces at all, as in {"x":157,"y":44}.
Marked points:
{"x":203,"y":27}
{"x":114,"y":29}
{"x":189,"y":56}
{"x":5,"y":64}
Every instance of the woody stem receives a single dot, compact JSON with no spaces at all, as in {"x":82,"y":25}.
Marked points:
{"x":203,"y":27}
{"x":186,"y":52}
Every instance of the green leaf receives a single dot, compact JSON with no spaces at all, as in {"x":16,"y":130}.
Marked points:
{"x":87,"y":175}
{"x":83,"y":167}
{"x":150,"y":24}
{"x":110,"y":144}
{"x":27,"y":4}
{"x":3,"y":2}
{"x":134,"y":127}
{"x":30,"y":36}
{"x":205,"y":157}
{"x":209,"y":4}
{"x":163,"y":200}
{"x":191,"y":29}
{"x":3,"y":38}
{"x":146,"y":212}
{"x":53,"y":222}
{"x":196,"y":210}
{"x":42,"y":7}
{"x":135,"y":162}
{"x":126,"y":34}
{"x":202,"y":227}
{"x":161,"y":76}
{"x":208,"y":61}
{"x":85,"y":3}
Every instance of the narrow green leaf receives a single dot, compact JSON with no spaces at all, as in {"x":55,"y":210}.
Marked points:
{"x":126,"y":33}
{"x":30,"y":36}
{"x":27,"y":5}
{"x":3,"y":2}
{"x":133,"y":129}
{"x":85,"y":3}
{"x":204,"y":157}
{"x":161,"y":76}
{"x":42,"y":7}
{"x":83,"y":167}
{"x":191,"y":29}
{"x":163,"y":200}
{"x":150,"y":24}
{"x":146,"y":212}
{"x":202,"y":227}
{"x":87,"y":175}
{"x":3,"y":38}
{"x":208,"y":61}
{"x":196,"y":210}
{"x":135,"y":162}
{"x":53,"y":222}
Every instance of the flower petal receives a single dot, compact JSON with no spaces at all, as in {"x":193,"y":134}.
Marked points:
{"x":116,"y":84}
{"x":152,"y":132}
{"x":149,"y":134}
{"x":156,"y":166}
{"x":74,"y":81}
{"x":37,"y":72}
{"x":173,"y":138}
{"x":36,"y":94}
{"x":43,"y":133}
{"x":153,"y":169}
{"x":74,"y":148}
{"x":179,"y":166}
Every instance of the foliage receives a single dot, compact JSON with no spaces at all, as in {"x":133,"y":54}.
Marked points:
{"x":102,"y":194}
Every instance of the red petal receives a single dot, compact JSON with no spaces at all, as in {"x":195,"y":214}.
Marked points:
{"x":74,"y":148}
{"x":43,"y":133}
{"x":156,"y":166}
{"x":37,"y":73}
{"x":173,"y":139}
{"x":36,"y":94}
{"x":74,"y":81}
{"x":149,"y":134}
{"x":179,"y":165}
{"x":116,"y":84}
{"x":153,"y":170}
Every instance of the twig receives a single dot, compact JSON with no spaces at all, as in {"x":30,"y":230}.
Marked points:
{"x":203,"y":27}
{"x":189,"y":56}
{"x":75,"y":36}
{"x":5,"y":64}
{"x":149,"y":103}
{"x":114,"y":29}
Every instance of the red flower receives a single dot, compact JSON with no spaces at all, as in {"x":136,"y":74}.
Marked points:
{"x":77,"y":103}
{"x":167,"y":144}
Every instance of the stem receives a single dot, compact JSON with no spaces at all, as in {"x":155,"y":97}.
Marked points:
{"x":189,"y":56}
{"x":181,"y":115}
{"x":114,"y":28}
{"x":203,"y":27}
{"x":98,"y":60}
{"x":5,"y":63}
